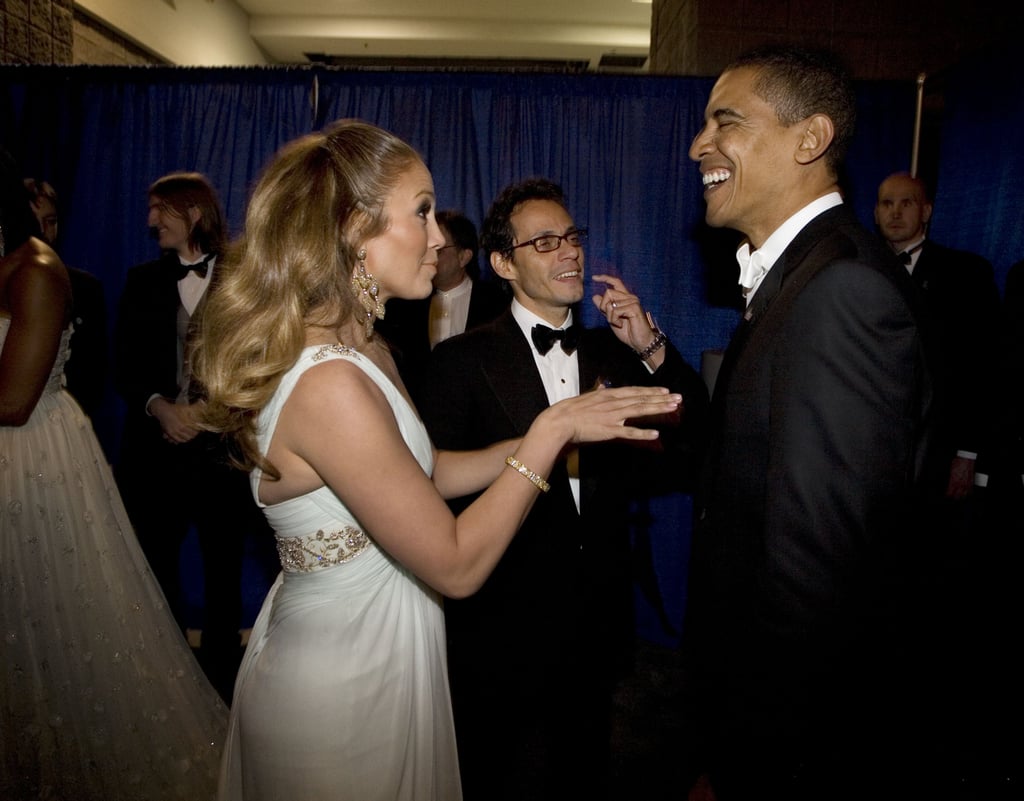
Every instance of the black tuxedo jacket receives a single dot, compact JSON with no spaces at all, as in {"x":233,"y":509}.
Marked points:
{"x":1002,"y":456}
{"x":963,"y":301}
{"x":146,"y":339}
{"x":406,"y":327}
{"x":803,"y":554}
{"x":146,"y":360}
{"x":561,"y":596}
{"x":86,"y":370}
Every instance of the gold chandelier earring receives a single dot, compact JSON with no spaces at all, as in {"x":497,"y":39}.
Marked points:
{"x":367,"y":291}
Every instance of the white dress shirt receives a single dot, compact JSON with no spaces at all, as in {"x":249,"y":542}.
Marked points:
{"x":449,"y":311}
{"x":192,"y":287}
{"x":559,"y":371}
{"x":765,"y":256}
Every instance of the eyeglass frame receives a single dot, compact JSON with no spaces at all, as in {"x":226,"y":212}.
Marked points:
{"x":579,"y":233}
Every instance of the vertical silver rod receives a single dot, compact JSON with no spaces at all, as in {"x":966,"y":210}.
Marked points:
{"x":314,"y":100}
{"x":917,"y":124}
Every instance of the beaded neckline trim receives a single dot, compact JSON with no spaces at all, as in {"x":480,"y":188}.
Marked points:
{"x":343,"y":350}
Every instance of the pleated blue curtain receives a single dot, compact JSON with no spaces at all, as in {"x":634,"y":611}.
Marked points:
{"x":979,"y":195}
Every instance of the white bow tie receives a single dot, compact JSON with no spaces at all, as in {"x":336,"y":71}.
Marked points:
{"x":752,"y":267}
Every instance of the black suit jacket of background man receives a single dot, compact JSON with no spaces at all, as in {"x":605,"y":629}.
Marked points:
{"x":169,"y":487}
{"x":406,"y":326}
{"x":961,"y":296}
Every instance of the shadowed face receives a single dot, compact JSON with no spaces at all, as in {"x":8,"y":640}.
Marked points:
{"x":46,"y":213}
{"x":902,"y":211}
{"x":172,"y":230}
{"x":451,"y":263}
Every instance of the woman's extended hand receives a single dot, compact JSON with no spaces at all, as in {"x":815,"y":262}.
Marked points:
{"x":602,"y":414}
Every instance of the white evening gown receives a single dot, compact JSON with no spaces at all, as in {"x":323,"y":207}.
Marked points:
{"x":343,"y":691}
{"x":101,"y":698}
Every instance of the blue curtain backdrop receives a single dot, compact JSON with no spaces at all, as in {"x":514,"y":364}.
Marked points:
{"x":618,"y":145}
{"x":980,"y":187}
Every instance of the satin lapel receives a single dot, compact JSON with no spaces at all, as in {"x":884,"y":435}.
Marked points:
{"x":512,"y":375}
{"x":166,"y":287}
{"x":588,"y":363}
{"x":923,"y":268}
{"x":811,"y":249}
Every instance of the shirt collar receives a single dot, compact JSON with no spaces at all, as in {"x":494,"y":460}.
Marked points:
{"x":527,"y":319}
{"x":787,"y":232}
{"x":463,"y":287}
{"x":782,"y":236}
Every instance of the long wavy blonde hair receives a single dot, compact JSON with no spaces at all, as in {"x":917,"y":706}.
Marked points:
{"x":321,"y":196}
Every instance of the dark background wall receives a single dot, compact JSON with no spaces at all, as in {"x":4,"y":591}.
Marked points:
{"x":879,"y":39}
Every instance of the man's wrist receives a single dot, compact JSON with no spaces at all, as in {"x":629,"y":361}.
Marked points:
{"x":655,"y":344}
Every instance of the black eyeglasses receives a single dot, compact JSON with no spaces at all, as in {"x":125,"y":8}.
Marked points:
{"x":549,"y":242}
{"x":445,"y":247}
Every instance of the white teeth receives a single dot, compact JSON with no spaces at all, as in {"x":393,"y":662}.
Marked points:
{"x":715,"y":177}
{"x":570,"y":274}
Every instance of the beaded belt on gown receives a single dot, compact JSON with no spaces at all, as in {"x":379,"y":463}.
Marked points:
{"x":322,"y":549}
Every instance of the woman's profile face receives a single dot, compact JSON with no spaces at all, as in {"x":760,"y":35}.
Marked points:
{"x":403,"y":258}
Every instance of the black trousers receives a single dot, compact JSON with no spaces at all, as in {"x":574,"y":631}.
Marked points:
{"x":167,"y":489}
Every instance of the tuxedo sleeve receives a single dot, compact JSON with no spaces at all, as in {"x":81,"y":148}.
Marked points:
{"x":145,"y":360}
{"x":843,"y":448}
{"x":683,"y":435}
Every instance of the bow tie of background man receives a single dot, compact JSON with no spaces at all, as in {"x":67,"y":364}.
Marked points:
{"x":200,"y":268}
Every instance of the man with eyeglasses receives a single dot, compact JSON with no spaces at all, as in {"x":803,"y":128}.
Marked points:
{"x":534,"y":656}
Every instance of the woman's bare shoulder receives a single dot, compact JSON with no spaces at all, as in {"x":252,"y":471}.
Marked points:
{"x":32,"y":272}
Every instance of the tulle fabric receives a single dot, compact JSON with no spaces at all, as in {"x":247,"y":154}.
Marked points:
{"x":101,"y":698}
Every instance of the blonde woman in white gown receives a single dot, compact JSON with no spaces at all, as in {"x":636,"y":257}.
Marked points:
{"x":343,"y":692}
{"x":100,"y":696}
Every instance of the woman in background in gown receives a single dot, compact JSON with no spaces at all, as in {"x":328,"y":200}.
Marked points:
{"x":343,"y":690}
{"x":100,"y":696}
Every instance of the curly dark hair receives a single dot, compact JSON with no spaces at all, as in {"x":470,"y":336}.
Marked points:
{"x":496,"y":235}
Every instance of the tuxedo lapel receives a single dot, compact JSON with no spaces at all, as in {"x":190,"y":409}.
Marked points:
{"x":925,"y":264}
{"x":799,"y":262}
{"x":511,"y":373}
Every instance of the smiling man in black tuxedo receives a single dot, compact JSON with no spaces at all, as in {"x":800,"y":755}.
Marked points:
{"x":535,"y":654}
{"x":806,"y":625}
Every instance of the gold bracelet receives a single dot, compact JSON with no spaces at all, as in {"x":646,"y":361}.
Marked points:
{"x":522,"y":469}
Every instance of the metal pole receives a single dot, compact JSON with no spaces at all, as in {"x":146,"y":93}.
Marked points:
{"x":314,"y":100}
{"x":917,"y":125}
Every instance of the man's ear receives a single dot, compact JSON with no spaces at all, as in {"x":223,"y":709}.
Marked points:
{"x":465,"y":257}
{"x":503,"y":266}
{"x":817,"y":135}
{"x":926,"y":212}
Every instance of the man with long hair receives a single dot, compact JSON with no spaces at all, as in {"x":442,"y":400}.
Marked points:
{"x":172,"y":475}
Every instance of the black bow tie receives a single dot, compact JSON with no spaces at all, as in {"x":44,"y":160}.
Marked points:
{"x":544,"y":338}
{"x":200,"y":268}
{"x":906,"y":254}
